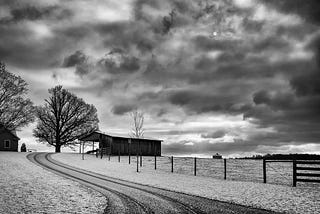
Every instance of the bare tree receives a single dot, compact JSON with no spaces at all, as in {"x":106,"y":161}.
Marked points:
{"x":64,"y":118}
{"x":16,"y":111}
{"x":137,"y":130}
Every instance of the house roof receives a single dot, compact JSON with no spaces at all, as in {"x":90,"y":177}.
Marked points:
{"x":91,"y":137}
{"x":12,"y":132}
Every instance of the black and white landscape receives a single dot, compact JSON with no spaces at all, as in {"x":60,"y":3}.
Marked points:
{"x":185,"y":86}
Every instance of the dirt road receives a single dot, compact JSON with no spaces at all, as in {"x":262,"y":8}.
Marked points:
{"x":128,"y":197}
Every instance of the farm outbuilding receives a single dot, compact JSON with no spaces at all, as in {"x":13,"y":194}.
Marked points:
{"x":8,"y":140}
{"x":115,"y":144}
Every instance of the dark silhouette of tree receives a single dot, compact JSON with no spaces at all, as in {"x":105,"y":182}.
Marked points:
{"x":16,"y":110}
{"x":64,"y":118}
{"x":137,"y":130}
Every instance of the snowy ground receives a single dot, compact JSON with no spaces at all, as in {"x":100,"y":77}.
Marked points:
{"x":267,"y":196}
{"x":27,"y":188}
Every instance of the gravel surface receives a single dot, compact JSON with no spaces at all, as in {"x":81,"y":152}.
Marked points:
{"x":27,"y":188}
{"x":267,"y":196}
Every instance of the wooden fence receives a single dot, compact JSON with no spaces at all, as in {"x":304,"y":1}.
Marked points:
{"x":139,"y":162}
{"x":299,"y":173}
{"x":305,"y":172}
{"x":296,"y":174}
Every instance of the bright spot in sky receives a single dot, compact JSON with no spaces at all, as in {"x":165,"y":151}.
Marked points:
{"x":214,"y":34}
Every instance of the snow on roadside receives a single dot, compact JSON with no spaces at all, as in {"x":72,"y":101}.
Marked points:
{"x":28,"y":188}
{"x":266,"y":196}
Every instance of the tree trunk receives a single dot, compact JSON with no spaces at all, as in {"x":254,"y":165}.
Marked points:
{"x":58,"y":148}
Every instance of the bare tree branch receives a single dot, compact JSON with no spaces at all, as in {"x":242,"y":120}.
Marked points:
{"x":137,"y":130}
{"x":16,"y":111}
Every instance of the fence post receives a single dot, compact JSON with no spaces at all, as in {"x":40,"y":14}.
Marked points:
{"x":264,"y":171}
{"x":195,"y":166}
{"x":137,"y":163}
{"x":109,"y":156}
{"x":155,"y":162}
{"x":129,"y":151}
{"x":294,"y":168}
{"x":119,"y":156}
{"x":140,"y":160}
{"x":171,"y":163}
{"x":225,"y":168}
{"x":83,"y":151}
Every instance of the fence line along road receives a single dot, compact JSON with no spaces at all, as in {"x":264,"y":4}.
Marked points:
{"x":277,"y":171}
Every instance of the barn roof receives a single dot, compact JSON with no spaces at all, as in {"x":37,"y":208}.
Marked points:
{"x":12,"y":132}
{"x":94,"y":136}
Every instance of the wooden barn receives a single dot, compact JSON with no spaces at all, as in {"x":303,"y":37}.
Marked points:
{"x":115,"y":144}
{"x":8,"y":140}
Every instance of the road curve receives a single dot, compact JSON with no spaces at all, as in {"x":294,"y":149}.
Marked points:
{"x":128,"y":197}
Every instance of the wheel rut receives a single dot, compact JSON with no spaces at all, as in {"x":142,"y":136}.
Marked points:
{"x":117,"y":202}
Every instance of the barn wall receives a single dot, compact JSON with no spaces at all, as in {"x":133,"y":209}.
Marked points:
{"x":105,"y":144}
{"x":115,"y":145}
{"x":7,"y":136}
{"x":141,"y":146}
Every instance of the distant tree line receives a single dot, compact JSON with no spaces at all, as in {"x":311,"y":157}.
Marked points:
{"x":284,"y":157}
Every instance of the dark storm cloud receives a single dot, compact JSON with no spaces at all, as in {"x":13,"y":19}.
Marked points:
{"x":127,"y":64}
{"x":29,"y":53}
{"x":76,"y":58}
{"x":308,"y":9}
{"x":278,"y":101}
{"x":27,"y":39}
{"x":128,"y":35}
{"x":122,"y":109}
{"x":200,"y":102}
{"x":118,"y":61}
{"x":79,"y":60}
{"x":240,"y":60}
{"x":130,"y":64}
{"x":308,"y":82}
{"x":33,"y":13}
{"x":295,"y":113}
{"x":261,"y":97}
{"x":287,"y":113}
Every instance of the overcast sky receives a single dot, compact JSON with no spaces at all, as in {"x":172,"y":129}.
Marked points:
{"x":236,"y":77}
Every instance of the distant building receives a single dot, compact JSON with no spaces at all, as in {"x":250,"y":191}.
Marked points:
{"x":217,"y":156}
{"x":115,"y":144}
{"x":8,"y":140}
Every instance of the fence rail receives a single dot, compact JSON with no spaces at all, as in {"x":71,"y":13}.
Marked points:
{"x":297,"y":174}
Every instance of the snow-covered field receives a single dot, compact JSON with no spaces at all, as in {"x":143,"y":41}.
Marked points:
{"x":28,"y":188}
{"x":268,"y":196}
{"x":237,"y":169}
